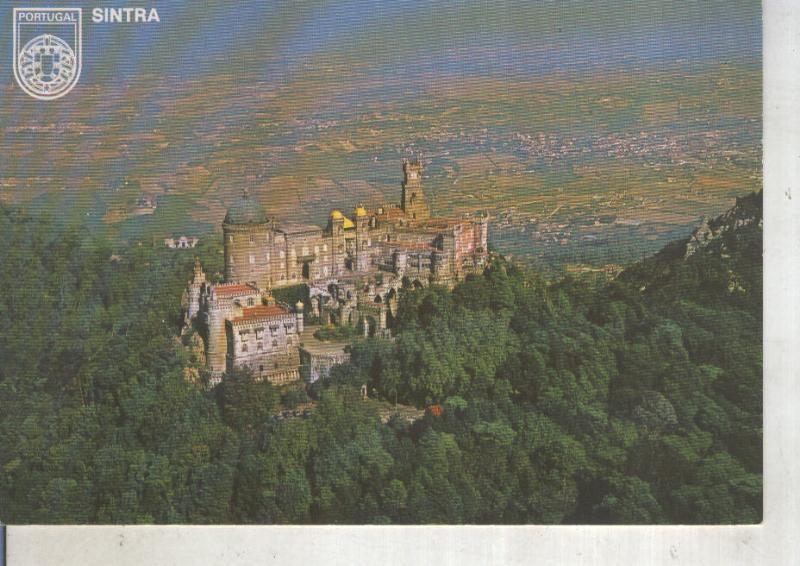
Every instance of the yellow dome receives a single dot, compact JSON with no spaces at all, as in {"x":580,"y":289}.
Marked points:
{"x":336,"y":215}
{"x":361,"y":211}
{"x":348,"y":223}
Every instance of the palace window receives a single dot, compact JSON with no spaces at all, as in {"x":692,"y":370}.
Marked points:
{"x":252,"y":238}
{"x":252,"y":259}
{"x":282,"y":254}
{"x":244,"y":347}
{"x":259,"y":333}
{"x":324,"y":247}
{"x":250,"y":303}
{"x":275,"y":345}
{"x":316,"y":249}
{"x":260,"y":346}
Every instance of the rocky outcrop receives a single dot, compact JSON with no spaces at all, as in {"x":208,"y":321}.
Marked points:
{"x":721,"y":260}
{"x":716,"y":233}
{"x":701,"y":237}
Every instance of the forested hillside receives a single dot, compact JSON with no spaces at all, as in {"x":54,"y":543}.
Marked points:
{"x":576,"y":401}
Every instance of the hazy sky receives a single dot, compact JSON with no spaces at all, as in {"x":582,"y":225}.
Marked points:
{"x":325,"y":59}
{"x":272,"y":39}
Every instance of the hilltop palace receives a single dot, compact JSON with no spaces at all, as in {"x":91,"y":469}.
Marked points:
{"x":353,"y":268}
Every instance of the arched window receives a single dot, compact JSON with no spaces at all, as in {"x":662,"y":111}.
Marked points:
{"x":244,"y":347}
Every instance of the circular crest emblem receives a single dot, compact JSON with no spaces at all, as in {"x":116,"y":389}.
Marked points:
{"x":47,"y":65}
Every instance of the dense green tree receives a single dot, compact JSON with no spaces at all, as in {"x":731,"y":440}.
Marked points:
{"x":637,"y":400}
{"x":245,"y":402}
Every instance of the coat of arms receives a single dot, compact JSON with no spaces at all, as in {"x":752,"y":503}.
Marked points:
{"x":47,"y":50}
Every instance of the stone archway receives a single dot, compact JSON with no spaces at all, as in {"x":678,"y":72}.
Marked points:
{"x":369,"y":326}
{"x":392,"y":302}
{"x":412,"y":283}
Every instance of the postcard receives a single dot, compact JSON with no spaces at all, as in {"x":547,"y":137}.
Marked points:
{"x":381,"y":263}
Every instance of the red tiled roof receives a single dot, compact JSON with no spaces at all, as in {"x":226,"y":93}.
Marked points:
{"x":234,"y":289}
{"x":259,"y":312}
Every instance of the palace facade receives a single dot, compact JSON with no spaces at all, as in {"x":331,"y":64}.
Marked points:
{"x":354,"y":267}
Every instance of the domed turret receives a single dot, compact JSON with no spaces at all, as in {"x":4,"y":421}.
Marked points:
{"x":337,"y":216}
{"x":246,"y":210}
{"x":361,"y":211}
